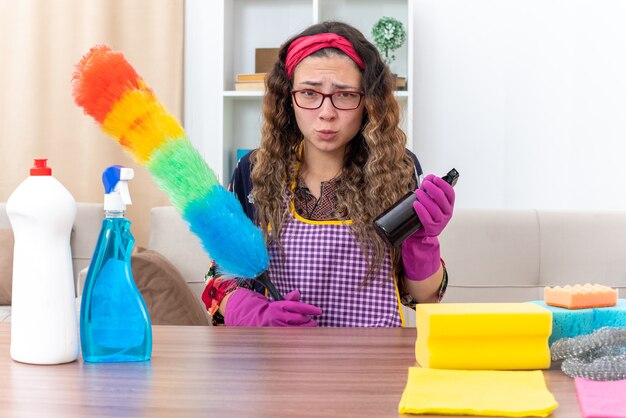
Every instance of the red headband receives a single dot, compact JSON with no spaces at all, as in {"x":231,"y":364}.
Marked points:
{"x":306,"y":45}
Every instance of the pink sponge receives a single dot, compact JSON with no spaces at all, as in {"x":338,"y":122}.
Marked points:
{"x":580,"y":296}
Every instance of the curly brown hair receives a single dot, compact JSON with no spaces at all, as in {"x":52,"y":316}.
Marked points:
{"x":377,"y":169}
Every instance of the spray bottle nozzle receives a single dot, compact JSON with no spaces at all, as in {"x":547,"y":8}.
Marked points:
{"x":115,"y":180}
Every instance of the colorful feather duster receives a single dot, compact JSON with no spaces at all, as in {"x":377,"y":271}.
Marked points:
{"x":108,"y":88}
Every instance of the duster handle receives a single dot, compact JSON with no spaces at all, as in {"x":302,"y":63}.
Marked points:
{"x":265,"y":281}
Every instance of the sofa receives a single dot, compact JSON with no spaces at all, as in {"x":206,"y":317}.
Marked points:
{"x":83,"y":239}
{"x":492,"y":255}
{"x":511,"y":255}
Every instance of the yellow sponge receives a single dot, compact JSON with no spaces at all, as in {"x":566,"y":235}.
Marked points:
{"x":483,"y":336}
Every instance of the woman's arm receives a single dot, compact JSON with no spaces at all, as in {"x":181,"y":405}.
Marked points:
{"x":428,"y":290}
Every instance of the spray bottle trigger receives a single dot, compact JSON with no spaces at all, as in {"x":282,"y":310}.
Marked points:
{"x":126,"y":174}
{"x":122,"y":189}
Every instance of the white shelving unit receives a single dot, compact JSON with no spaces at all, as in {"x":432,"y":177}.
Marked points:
{"x":220,"y":41}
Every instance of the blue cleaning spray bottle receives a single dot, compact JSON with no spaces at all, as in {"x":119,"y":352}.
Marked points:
{"x":114,"y":321}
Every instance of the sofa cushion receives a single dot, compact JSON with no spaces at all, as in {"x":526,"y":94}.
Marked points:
{"x":165,"y":291}
{"x":583,"y":247}
{"x":492,"y":255}
{"x":170,"y":236}
{"x":6,"y":265}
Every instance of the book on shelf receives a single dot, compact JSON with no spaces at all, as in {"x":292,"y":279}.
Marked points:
{"x":247,"y":78}
{"x":250,"y":86}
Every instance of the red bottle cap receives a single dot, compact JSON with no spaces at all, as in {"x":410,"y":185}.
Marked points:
{"x":41,"y":168}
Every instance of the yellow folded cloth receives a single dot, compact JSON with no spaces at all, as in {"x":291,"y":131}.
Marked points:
{"x":476,"y":392}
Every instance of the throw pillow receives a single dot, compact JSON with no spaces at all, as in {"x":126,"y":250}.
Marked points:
{"x":6,"y":265}
{"x":168,"y":297}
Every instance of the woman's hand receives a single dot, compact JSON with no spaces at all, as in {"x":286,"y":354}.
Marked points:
{"x":434,"y":207}
{"x":251,"y":309}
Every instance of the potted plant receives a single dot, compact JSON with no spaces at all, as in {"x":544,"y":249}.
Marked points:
{"x":389,"y":35}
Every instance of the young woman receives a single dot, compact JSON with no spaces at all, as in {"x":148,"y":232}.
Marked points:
{"x":331,"y":159}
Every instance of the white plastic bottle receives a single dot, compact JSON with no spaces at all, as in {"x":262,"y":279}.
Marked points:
{"x":44,"y":324}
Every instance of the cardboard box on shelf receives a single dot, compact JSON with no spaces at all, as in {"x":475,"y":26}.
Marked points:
{"x":400,"y":83}
{"x":264,"y":59}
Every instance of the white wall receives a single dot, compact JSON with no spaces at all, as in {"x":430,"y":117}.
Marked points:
{"x":202,"y":94}
{"x":526,"y":98}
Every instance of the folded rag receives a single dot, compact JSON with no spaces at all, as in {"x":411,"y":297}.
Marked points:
{"x":598,"y":399}
{"x":476,"y":392}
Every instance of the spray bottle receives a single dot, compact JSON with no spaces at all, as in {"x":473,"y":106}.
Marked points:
{"x":114,"y":321}
{"x":44,"y":328}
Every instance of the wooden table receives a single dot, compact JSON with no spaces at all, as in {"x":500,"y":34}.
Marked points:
{"x":234,"y":372}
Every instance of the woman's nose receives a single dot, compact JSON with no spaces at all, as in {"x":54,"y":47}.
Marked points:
{"x":327,"y":110}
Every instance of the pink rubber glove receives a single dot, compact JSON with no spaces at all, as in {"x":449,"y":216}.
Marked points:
{"x":434,"y":205}
{"x":247,"y":308}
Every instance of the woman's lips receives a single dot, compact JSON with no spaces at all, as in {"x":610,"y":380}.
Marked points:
{"x":326,"y":134}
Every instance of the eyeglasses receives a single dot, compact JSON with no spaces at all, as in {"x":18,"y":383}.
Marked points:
{"x":342,"y":100}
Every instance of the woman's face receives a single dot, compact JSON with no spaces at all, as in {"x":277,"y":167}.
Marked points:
{"x":328,"y":129}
